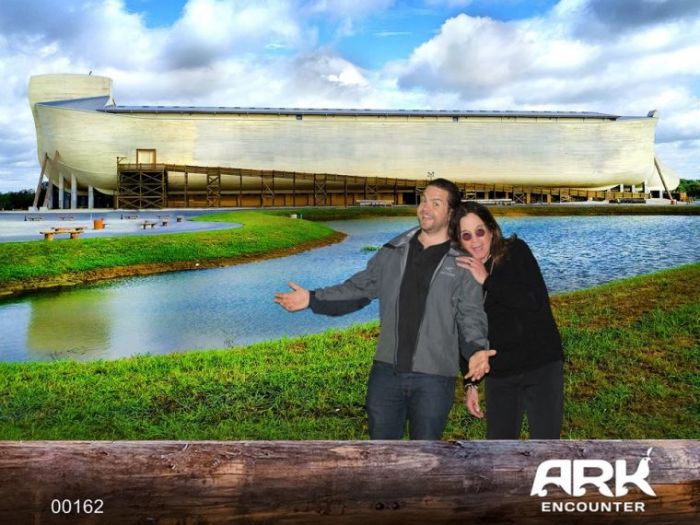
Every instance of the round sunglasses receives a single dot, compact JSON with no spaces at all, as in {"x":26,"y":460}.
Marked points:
{"x":467,"y":236}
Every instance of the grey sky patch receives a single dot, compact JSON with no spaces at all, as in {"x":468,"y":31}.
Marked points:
{"x":46,"y":19}
{"x":18,"y":156}
{"x":611,"y":20}
{"x":629,"y":14}
{"x":184,"y":54}
{"x":94,"y":33}
{"x":686,"y":138}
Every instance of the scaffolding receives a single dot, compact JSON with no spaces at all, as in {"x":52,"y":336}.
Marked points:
{"x":146,"y":186}
{"x":142,"y":186}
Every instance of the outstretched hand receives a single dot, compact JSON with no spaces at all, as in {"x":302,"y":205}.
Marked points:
{"x":471,"y":401}
{"x":293,"y":301}
{"x":479,"y":365}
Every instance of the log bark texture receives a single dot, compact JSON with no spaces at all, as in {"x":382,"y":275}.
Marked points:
{"x":344,"y":482}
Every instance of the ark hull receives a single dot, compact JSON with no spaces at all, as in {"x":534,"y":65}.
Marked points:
{"x":75,"y":116}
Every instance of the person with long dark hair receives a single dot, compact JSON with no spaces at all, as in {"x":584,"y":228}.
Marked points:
{"x":525,"y":376}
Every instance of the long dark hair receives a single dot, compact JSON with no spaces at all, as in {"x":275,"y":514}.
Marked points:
{"x":499,"y":245}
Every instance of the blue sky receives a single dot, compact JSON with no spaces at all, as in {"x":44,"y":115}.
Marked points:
{"x":392,"y":35}
{"x":623,"y":57}
{"x":379,"y":37}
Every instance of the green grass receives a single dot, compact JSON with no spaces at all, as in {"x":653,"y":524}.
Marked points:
{"x":633,"y":356}
{"x":260,"y":234}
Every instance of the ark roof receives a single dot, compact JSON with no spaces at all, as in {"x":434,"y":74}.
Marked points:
{"x":357,"y":112}
{"x":104,"y":104}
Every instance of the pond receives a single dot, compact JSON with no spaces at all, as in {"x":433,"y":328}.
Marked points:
{"x":232,"y":306}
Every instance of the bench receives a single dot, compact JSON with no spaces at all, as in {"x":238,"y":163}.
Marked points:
{"x":67,"y":218}
{"x":146,"y":224}
{"x":130,"y":217}
{"x":33,"y":218}
{"x":373,"y":202}
{"x":74,"y":233}
{"x":64,"y":229}
{"x":179,"y":218}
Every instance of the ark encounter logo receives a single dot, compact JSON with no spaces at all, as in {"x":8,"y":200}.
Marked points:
{"x":574,"y":475}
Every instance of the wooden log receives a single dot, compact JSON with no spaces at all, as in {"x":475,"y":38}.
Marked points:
{"x":330,"y":482}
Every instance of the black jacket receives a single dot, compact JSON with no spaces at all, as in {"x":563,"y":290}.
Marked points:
{"x":521,"y":325}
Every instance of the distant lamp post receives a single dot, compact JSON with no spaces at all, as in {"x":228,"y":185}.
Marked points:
{"x":431,"y":174}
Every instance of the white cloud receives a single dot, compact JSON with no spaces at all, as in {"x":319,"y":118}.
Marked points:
{"x":547,"y":63}
{"x":267,"y":53}
{"x":211,"y":30}
{"x":473,"y":55}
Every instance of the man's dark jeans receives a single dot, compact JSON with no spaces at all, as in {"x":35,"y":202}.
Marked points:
{"x":394,"y":397}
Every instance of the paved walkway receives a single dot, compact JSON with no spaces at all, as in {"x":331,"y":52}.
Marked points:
{"x":26,"y":226}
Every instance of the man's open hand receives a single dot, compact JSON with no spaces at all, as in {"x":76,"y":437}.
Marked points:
{"x":293,"y":301}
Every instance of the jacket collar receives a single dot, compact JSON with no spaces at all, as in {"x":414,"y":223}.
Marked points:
{"x":404,"y":238}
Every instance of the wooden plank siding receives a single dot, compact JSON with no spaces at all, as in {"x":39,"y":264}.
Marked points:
{"x":546,"y":151}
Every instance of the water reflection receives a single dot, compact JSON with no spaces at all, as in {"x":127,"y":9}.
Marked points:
{"x":73,"y":325}
{"x":233,"y":306}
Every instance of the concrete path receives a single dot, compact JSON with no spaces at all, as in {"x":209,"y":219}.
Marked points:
{"x":26,"y":226}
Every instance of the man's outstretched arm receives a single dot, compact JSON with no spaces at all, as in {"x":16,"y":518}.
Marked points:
{"x":349,"y":296}
{"x":300,"y":298}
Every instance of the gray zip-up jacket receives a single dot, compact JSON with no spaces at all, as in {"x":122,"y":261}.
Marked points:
{"x":454,"y":318}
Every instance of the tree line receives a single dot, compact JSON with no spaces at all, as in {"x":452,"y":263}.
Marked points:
{"x":690,"y":186}
{"x":16,"y":200}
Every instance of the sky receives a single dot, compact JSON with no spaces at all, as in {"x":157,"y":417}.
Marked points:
{"x":624,"y":57}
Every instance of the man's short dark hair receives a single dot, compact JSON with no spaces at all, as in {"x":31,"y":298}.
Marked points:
{"x":454,"y":197}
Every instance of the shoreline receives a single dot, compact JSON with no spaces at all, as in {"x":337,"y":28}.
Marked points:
{"x":11,"y":289}
{"x":516,"y":210}
{"x":69,"y":280}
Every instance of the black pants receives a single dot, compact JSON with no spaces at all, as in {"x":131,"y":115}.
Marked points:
{"x":538,"y":392}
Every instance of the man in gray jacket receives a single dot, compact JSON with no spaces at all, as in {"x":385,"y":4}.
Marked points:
{"x":430,"y":310}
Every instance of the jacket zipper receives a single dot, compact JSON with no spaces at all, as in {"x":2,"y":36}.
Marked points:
{"x":404,"y":258}
{"x":435,"y":273}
